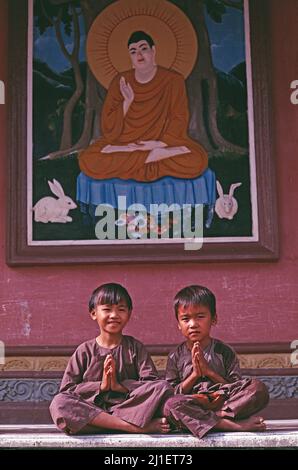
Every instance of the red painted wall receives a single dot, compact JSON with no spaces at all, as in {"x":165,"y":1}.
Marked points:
{"x":256,"y":302}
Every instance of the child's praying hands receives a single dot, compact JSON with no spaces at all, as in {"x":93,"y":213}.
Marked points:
{"x":200,"y":361}
{"x":115,"y":385}
{"x":195,"y":360}
{"x":106,"y":378}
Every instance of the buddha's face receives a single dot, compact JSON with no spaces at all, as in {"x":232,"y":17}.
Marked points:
{"x":142,"y":56}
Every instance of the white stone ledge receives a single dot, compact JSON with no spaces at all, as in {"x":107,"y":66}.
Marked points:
{"x":45,"y":436}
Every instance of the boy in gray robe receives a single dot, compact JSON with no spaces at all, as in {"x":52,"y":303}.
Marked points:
{"x":205,"y":372}
{"x":110,"y":382}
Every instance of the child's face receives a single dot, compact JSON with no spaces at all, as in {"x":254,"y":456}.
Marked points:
{"x":111,"y":318}
{"x":195,"y":322}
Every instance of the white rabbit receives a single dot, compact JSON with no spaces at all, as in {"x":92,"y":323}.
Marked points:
{"x":226,"y":205}
{"x":50,"y":209}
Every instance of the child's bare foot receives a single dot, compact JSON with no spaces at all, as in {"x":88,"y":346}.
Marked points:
{"x":254,"y":423}
{"x":158,"y":425}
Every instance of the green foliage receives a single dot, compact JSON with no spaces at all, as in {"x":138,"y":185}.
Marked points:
{"x":232,"y":105}
{"x":232,"y":124}
{"x":215,"y":9}
{"x":239,"y":71}
{"x":51,"y":92}
{"x":45,"y":12}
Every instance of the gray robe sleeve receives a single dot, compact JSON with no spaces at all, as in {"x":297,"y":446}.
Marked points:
{"x":232,"y":367}
{"x":172,"y":373}
{"x":145,"y":366}
{"x":72,"y":380}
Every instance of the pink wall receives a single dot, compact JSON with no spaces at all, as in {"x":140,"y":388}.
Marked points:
{"x":256,"y":302}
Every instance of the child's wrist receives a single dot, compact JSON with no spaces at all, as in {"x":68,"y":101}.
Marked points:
{"x":195,"y":375}
{"x":209,"y":373}
{"x":104,"y":388}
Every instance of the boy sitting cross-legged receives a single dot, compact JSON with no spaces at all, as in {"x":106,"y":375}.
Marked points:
{"x":110,"y":382}
{"x":210,"y":391}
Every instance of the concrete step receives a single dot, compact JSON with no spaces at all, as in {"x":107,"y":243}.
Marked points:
{"x":279,"y":433}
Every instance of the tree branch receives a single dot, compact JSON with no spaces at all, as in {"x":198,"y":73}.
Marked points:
{"x":45,"y":13}
{"x":59,"y":36}
{"x":76,"y":32}
{"x":59,"y":154}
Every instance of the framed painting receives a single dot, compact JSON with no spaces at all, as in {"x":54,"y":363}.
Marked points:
{"x":140,"y":131}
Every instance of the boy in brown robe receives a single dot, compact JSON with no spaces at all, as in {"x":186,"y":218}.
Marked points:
{"x":210,"y":391}
{"x":110,"y":382}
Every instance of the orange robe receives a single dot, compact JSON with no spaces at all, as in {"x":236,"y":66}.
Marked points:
{"x":159,"y":112}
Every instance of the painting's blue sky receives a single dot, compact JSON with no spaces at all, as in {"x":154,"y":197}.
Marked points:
{"x":227,"y":40}
{"x":227,"y":36}
{"x":46,"y":48}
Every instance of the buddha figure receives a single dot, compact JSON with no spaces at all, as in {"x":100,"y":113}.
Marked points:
{"x":144,"y":123}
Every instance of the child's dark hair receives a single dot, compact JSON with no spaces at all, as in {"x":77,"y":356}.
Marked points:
{"x":139,"y":36}
{"x":109,"y":294}
{"x":195,"y":295}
